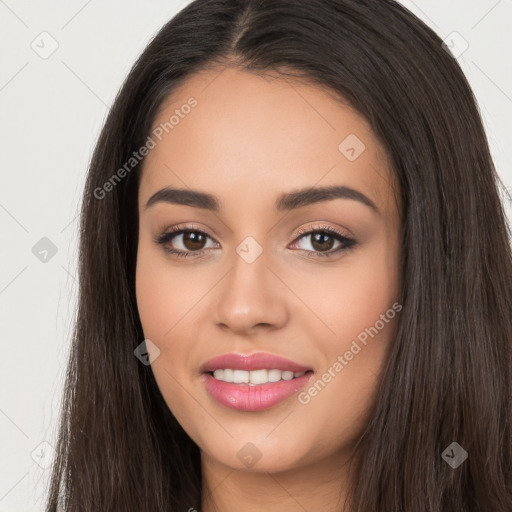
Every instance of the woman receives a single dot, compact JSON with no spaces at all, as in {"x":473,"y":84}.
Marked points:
{"x":295,"y":276}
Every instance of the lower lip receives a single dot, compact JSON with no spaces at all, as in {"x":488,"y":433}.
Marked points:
{"x":243,"y":397}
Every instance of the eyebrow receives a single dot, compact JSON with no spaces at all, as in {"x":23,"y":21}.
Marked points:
{"x":287,"y":201}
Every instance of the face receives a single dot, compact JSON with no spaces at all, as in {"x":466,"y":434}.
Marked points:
{"x":263,"y":270}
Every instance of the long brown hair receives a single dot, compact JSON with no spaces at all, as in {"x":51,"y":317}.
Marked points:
{"x":448,"y":377}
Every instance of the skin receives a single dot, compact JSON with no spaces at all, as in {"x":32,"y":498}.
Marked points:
{"x":249,"y":139}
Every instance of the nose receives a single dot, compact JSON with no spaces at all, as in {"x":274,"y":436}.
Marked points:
{"x":251,"y":296}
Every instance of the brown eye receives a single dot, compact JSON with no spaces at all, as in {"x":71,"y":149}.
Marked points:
{"x":193,"y":240}
{"x":190,"y":242}
{"x":322,"y":240}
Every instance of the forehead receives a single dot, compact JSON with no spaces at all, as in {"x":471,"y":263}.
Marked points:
{"x":255,"y":134}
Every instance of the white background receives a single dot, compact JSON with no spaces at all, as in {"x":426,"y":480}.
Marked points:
{"x":51,"y":113}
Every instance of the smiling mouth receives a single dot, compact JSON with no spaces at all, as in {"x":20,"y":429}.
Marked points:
{"x":255,"y":377}
{"x":264,"y":392}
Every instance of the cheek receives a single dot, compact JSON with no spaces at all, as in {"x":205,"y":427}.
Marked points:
{"x":161,"y":305}
{"x":346,"y":300}
{"x":357,"y":306}
{"x":162,"y":293}
{"x":153,"y":299}
{"x":157,"y":303}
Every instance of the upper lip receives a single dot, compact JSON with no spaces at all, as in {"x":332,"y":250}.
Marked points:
{"x":258,"y":361}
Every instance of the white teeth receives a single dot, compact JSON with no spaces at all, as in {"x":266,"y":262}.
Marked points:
{"x":240,"y":376}
{"x":258,"y":376}
{"x":274,"y":375}
{"x":254,"y":377}
{"x":227,"y":376}
{"x":219,"y":374}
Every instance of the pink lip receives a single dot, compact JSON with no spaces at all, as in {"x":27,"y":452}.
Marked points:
{"x":258,"y":361}
{"x":243,"y":397}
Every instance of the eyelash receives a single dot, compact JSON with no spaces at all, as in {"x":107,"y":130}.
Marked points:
{"x":166,"y":237}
